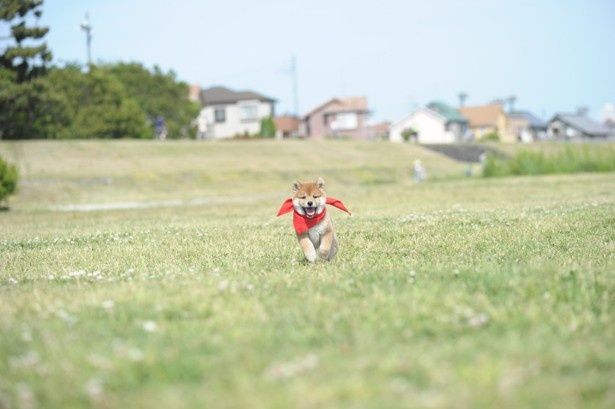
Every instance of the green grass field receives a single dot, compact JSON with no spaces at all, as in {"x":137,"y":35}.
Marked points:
{"x":183,"y":290}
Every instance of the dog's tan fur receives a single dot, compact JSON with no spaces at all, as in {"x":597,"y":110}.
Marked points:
{"x":320,"y":240}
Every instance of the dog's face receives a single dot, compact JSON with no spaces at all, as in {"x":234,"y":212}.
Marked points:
{"x":309,"y":197}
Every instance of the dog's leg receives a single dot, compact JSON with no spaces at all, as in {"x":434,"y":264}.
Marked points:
{"x":328,"y":245}
{"x":307,"y":247}
{"x":334,"y":248}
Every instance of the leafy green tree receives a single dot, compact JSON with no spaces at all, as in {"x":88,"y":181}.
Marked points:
{"x":158,"y":93}
{"x":267,"y":128}
{"x":112,"y":101}
{"x":32,"y":109}
{"x":8,"y":179}
{"x":491,"y":136}
{"x":409,"y":134}
{"x":27,"y":60}
{"x":67,"y":103}
{"x":100,"y":105}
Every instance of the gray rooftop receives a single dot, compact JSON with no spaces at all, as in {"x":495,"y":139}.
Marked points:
{"x":583,"y":124}
{"x":222,"y":95}
{"x":532,"y":119}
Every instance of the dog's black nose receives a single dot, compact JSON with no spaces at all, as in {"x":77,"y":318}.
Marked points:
{"x":310,"y":203}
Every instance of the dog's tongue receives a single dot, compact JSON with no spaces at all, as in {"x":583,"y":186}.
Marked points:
{"x":310,"y":212}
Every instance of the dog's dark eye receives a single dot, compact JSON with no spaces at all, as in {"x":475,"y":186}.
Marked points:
{"x":316,"y":197}
{"x":301,"y":197}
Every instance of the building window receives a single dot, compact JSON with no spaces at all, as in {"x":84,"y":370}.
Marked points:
{"x":343,"y":121}
{"x":220,"y":115}
{"x":248,"y":112}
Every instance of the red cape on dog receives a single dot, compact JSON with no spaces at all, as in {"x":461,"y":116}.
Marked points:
{"x":301,"y":222}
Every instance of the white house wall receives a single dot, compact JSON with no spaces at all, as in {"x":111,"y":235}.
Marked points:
{"x":233,"y":124}
{"x":430,"y":128}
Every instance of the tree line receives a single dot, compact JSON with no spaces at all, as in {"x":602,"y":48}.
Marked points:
{"x":42,"y":100}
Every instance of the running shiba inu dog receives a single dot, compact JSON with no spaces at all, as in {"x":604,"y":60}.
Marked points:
{"x":311,"y":221}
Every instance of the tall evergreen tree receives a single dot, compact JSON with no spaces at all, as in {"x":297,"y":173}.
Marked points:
{"x":25,"y":57}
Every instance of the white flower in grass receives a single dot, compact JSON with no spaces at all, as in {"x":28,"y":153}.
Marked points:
{"x":26,"y":335}
{"x":76,"y":274}
{"x":223,"y":285}
{"x":108,"y":304}
{"x":478,"y":320}
{"x":135,"y":354}
{"x":12,"y":281}
{"x":25,"y":396}
{"x":28,"y":360}
{"x":100,"y":362}
{"x":94,"y":388}
{"x":150,"y":326}
{"x":66,"y":317}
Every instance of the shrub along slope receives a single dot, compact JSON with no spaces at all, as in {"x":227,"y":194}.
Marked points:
{"x":570,"y":159}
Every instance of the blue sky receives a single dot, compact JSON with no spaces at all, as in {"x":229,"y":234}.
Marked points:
{"x":553,"y":55}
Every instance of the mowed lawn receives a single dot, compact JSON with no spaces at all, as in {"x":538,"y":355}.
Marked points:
{"x":183,"y":290}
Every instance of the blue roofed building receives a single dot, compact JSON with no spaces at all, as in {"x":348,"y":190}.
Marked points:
{"x":526,"y":127}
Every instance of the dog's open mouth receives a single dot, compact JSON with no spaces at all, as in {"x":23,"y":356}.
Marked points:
{"x":309,"y":211}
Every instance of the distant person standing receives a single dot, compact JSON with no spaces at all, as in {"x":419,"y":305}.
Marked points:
{"x":469,"y":170}
{"x":419,"y":174}
{"x":160,"y":128}
{"x":482,"y":159}
{"x":201,"y":127}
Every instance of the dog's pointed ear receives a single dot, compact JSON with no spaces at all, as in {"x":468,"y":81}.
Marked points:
{"x":296,"y":185}
{"x":320,"y":183}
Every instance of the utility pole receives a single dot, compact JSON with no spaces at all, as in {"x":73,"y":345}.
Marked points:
{"x":511,"y":102}
{"x":87,"y":27}
{"x":293,"y":73}
{"x":462,"y":99}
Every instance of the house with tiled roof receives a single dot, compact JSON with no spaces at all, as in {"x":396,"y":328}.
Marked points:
{"x":526,"y":127}
{"x":487,"y":119}
{"x":579,"y":126}
{"x":226,"y":113}
{"x":338,"y":117}
{"x":436,"y":122}
{"x":378,"y":130}
{"x":286,"y":126}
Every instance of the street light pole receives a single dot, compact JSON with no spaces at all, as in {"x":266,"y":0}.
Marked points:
{"x":87,"y":27}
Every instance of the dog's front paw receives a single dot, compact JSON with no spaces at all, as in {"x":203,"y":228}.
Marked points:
{"x":310,"y":256}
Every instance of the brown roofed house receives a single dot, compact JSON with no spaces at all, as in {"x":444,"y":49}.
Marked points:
{"x":486,"y":119}
{"x":338,"y":117}
{"x":286,"y":126}
{"x":378,"y":130}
